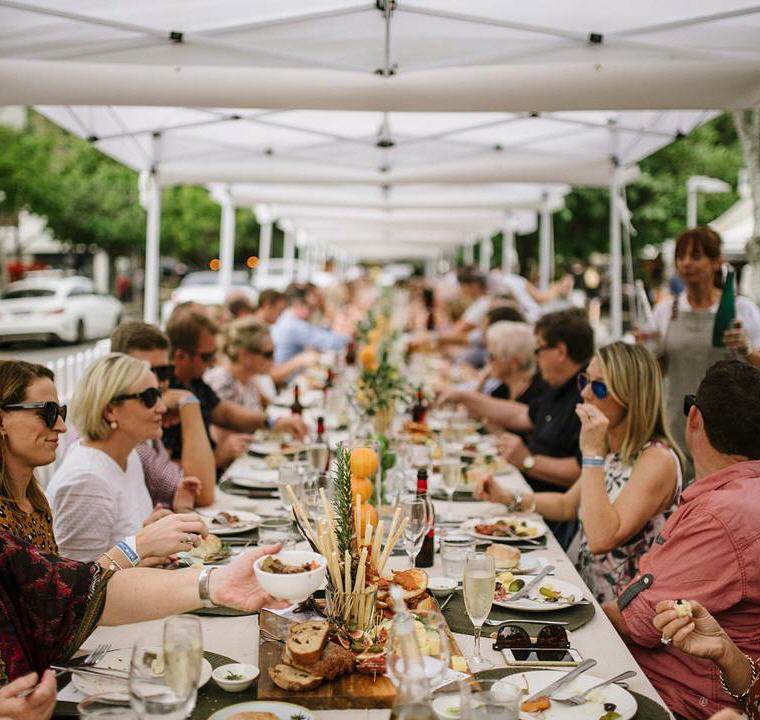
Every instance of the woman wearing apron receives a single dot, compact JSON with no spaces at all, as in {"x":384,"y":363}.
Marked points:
{"x":685,"y":325}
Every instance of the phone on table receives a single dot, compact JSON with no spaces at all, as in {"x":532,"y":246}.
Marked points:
{"x":526,"y":657}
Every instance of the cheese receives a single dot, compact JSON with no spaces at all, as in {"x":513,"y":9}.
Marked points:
{"x":459,"y":664}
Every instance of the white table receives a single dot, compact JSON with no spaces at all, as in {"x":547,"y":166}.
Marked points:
{"x":237,"y":637}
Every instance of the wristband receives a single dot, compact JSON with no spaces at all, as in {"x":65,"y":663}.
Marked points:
{"x":203,"y":587}
{"x":594,"y":461}
{"x":129,"y":547}
{"x":188,"y":400}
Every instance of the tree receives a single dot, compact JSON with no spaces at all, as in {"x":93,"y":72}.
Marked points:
{"x":748,"y":126}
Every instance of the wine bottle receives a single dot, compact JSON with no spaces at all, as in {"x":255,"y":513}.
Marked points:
{"x":427,"y":551}
{"x":296,"y":408}
{"x":324,"y":444}
{"x":419,"y":409}
{"x":351,"y":353}
{"x":726,"y":313}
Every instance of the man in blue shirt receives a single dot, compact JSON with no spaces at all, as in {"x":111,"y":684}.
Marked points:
{"x":293,"y":333}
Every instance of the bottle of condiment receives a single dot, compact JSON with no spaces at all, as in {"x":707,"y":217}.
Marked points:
{"x":726,"y":312}
{"x":296,"y":408}
{"x":419,"y":409}
{"x":427,"y":551}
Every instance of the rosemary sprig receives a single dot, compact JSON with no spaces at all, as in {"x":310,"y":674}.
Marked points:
{"x":343,"y":513}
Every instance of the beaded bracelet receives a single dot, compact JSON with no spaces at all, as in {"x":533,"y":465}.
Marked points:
{"x":755,"y":672}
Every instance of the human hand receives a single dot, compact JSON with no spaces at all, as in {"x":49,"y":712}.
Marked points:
{"x":38,"y":704}
{"x":512,"y":448}
{"x":448,"y":396}
{"x":698,"y":634}
{"x":735,"y":339}
{"x":486,"y":488}
{"x":231,"y":448}
{"x":172,"y":396}
{"x":171,"y":534}
{"x":292,"y":424}
{"x":184,"y":496}
{"x":159,"y":511}
{"x":235,"y":585}
{"x":307,"y":358}
{"x":594,"y":425}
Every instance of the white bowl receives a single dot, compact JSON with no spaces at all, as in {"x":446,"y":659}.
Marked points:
{"x":442,"y":586}
{"x":247,"y":672}
{"x":294,"y":587}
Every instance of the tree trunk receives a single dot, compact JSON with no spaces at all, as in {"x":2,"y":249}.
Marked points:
{"x":748,"y":126}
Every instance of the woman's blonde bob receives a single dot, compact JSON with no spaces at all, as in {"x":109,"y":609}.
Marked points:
{"x":247,"y":333}
{"x":112,"y":375}
{"x":634,"y":380}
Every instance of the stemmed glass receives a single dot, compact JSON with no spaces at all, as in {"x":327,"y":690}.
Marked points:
{"x":163,"y":680}
{"x":418,"y":519}
{"x":479,"y":585}
{"x":451,"y":473}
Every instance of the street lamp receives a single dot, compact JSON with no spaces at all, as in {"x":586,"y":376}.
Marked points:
{"x":700,"y":184}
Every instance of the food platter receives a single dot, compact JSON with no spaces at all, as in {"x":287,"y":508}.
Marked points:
{"x":281,"y":710}
{"x":570,"y":595}
{"x":533,"y":529}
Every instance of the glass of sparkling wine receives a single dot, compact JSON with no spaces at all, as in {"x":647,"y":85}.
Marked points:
{"x":451,"y":474}
{"x":479,"y":585}
{"x":163,"y":679}
{"x":317,"y":453}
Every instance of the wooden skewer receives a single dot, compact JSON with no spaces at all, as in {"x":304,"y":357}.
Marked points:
{"x":347,"y":560}
{"x":336,"y":571}
{"x":358,"y":518}
{"x":376,"y":542}
{"x":368,"y":533}
{"x":328,"y":510}
{"x":394,"y":522}
{"x":392,"y":540}
{"x":360,"y":573}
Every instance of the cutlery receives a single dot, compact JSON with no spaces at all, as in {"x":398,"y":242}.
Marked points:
{"x":494,"y":623}
{"x":529,"y":586}
{"x":446,"y":601}
{"x":566,"y":678}
{"x":102,"y":672}
{"x":580,"y":699}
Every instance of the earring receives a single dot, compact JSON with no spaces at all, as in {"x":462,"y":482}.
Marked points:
{"x":114,"y":425}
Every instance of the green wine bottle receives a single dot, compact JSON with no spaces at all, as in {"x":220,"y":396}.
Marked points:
{"x":726,"y":313}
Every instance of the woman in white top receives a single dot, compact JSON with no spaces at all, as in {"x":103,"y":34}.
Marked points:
{"x":631,"y":476}
{"x":98,"y":495}
{"x":684,"y":324}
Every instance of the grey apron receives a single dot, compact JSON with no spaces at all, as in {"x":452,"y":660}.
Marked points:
{"x":688,"y":354}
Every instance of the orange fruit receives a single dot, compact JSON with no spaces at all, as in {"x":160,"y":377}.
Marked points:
{"x":361,"y":487}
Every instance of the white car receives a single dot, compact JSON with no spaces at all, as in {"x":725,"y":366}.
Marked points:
{"x":203,"y":288}
{"x":64,"y":309}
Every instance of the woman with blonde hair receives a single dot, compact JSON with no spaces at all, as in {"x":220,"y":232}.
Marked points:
{"x":631,"y":470}
{"x":98,"y":495}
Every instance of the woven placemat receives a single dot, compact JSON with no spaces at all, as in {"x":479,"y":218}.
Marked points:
{"x":458,"y":620}
{"x":648,"y":709}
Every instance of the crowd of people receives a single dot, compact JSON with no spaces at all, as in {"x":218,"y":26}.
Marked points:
{"x":642,"y":463}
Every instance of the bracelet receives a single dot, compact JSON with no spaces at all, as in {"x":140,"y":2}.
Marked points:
{"x":593,"y":461}
{"x":113,"y":562}
{"x":188,"y":400}
{"x":755,"y":673}
{"x":203,"y":587}
{"x":129,"y":547}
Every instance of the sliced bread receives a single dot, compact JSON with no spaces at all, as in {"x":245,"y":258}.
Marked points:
{"x":295,"y":679}
{"x":334,"y":660}
{"x":306,"y":640}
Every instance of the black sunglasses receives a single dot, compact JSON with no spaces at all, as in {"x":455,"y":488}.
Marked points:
{"x":268,"y":354}
{"x":516,"y":638}
{"x":600,"y":390}
{"x":163,"y":372}
{"x":50,"y":410}
{"x":148,"y":396}
{"x":689,"y":401}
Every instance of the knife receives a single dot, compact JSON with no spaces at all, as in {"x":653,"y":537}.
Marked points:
{"x":112,"y":673}
{"x":520,"y":594}
{"x":568,"y":677}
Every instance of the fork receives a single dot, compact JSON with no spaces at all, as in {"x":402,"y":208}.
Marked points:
{"x":97,"y":655}
{"x":580,"y":699}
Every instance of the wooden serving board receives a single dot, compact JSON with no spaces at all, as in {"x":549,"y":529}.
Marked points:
{"x":353,"y":691}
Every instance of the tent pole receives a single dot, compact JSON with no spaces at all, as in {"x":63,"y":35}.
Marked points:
{"x":469,"y":254}
{"x":616,"y":262}
{"x":227,"y":242}
{"x":545,"y":245}
{"x":152,"y":242}
{"x":265,"y":247}
{"x":289,"y":254}
{"x":486,"y":249}
{"x":508,"y":247}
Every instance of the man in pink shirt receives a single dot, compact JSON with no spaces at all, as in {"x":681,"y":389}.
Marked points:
{"x":709,"y":549}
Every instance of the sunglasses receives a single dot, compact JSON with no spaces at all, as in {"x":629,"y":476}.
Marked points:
{"x":163,"y":372}
{"x":149,"y":397}
{"x":689,"y":401}
{"x":516,"y":638}
{"x":50,"y":411}
{"x":268,"y":354}
{"x":600,"y":390}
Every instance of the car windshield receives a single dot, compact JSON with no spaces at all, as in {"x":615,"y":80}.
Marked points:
{"x":212,"y":278}
{"x":17,"y":293}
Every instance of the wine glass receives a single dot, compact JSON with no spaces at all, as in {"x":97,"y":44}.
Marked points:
{"x":415,"y":510}
{"x":451,"y":473}
{"x":479,"y":586}
{"x":163,"y":679}
{"x":318,"y":453}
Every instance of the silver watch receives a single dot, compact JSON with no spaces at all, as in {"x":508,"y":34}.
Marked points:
{"x":203,"y":587}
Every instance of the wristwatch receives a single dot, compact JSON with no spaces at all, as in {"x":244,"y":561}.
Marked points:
{"x":529,"y":462}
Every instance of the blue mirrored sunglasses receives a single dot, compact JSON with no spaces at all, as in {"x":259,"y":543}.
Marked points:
{"x":598,"y":387}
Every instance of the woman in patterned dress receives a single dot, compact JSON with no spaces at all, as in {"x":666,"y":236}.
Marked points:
{"x":631,"y":476}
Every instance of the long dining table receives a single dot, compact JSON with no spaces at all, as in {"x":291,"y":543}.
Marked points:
{"x":238,"y":637}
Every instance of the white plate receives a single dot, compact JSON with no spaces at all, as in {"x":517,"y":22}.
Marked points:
{"x":248,"y":521}
{"x":270,"y":447}
{"x":260,"y":479}
{"x":530,"y":564}
{"x":119,"y":660}
{"x":535,"y":602}
{"x":283,"y":710}
{"x":539,"y":526}
{"x":594,"y":708}
{"x":307,"y":398}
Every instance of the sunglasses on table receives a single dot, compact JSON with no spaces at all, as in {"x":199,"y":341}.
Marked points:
{"x":552,"y":639}
{"x":149,"y":397}
{"x":163,"y":372}
{"x":49,"y":411}
{"x":600,"y":390}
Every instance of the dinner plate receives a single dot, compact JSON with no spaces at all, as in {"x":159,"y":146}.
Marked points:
{"x":530,"y":564}
{"x":283,"y":710}
{"x":119,"y":660}
{"x":625,"y":703}
{"x":535,"y":602}
{"x":270,"y":447}
{"x":259,"y":479}
{"x":248,"y":521}
{"x":538,"y":526}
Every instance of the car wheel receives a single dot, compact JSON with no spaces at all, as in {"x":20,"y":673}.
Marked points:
{"x":80,"y":333}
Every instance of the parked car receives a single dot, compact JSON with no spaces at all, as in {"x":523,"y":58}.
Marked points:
{"x":66,"y":309}
{"x":203,"y":288}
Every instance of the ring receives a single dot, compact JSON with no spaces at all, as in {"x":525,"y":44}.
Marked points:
{"x":666,"y":640}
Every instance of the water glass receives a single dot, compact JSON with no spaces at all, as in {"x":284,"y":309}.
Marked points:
{"x":277,"y":530}
{"x":311,"y":495}
{"x":479,"y":583}
{"x":289,"y":476}
{"x":106,"y":706}
{"x":454,"y":552}
{"x":490,"y":699}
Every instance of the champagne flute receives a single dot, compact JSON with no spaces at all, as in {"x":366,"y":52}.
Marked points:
{"x":451,"y":473}
{"x":415,"y":510}
{"x":479,"y":586}
{"x":318,"y":453}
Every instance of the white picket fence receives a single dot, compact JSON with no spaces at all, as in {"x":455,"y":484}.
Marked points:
{"x":68,"y":371}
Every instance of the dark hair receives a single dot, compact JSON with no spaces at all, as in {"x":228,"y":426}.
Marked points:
{"x":297,"y":293}
{"x":500,"y":313}
{"x":270,"y":296}
{"x":702,"y":241}
{"x":470,"y":276}
{"x":239,"y":306}
{"x":136,"y":335}
{"x":729,"y":400}
{"x":184,"y":329}
{"x":571,"y":328}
